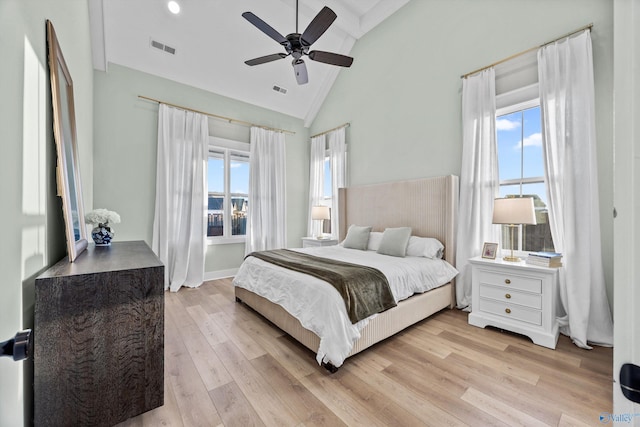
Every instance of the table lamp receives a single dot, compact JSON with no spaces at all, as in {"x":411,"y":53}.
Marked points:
{"x":513,"y":211}
{"x":320,"y":213}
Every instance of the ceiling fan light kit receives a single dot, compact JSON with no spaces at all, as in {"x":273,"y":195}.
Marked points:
{"x":297,"y":45}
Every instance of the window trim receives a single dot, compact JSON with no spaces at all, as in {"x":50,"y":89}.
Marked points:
{"x":228,"y":147}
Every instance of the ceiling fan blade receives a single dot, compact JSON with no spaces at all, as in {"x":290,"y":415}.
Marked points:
{"x":300,"y":71}
{"x":318,"y":26}
{"x":266,"y":58}
{"x":331,"y":58}
{"x":265,"y":28}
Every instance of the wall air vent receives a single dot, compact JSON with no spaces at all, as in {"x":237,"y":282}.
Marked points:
{"x":163,"y":47}
{"x":279,"y":89}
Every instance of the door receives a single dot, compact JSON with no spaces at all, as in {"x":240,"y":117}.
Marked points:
{"x":627,"y":205}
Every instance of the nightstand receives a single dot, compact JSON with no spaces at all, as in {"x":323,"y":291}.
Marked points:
{"x":515,"y":296}
{"x":308,"y":242}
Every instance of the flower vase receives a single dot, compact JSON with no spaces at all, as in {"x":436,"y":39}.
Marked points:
{"x":102,"y":235}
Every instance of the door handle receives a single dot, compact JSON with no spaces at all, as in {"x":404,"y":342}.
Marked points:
{"x":630,"y":381}
{"x":19,"y":347}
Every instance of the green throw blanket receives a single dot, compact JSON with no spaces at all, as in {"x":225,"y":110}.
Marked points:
{"x":365,"y":290}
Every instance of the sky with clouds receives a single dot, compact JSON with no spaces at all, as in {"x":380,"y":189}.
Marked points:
{"x":239,"y":176}
{"x":520,"y":150}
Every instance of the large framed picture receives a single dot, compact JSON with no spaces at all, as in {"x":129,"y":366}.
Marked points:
{"x":489,"y":250}
{"x":64,"y":132}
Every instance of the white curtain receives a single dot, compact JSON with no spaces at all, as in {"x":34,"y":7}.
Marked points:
{"x":179,"y":224}
{"x":338,"y":158}
{"x":316,"y":181}
{"x":565,"y":71}
{"x":266,"y":213}
{"x":478,"y":176}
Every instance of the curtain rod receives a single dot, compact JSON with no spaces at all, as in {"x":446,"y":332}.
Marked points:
{"x":227,"y":119}
{"x":344,"y":125}
{"x":586,"y":27}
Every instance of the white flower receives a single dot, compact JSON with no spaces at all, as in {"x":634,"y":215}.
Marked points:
{"x":101,"y":216}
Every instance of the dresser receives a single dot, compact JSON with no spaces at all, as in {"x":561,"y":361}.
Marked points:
{"x":309,"y":242}
{"x":99,"y":337}
{"x":517,"y":297}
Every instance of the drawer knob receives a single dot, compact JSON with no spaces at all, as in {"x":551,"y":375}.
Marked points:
{"x":507,"y":310}
{"x":507,"y":281}
{"x":507,"y":296}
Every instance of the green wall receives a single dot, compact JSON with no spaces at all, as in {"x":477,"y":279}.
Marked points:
{"x":32,"y":226}
{"x":126,"y":131}
{"x":402,"y":98}
{"x":402,"y":95}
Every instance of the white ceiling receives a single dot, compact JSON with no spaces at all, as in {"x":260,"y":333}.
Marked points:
{"x":212,"y":41}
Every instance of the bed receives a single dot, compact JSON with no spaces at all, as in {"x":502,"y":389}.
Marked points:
{"x":428,"y":206}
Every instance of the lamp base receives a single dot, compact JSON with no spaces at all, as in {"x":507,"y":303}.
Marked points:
{"x":511,"y":258}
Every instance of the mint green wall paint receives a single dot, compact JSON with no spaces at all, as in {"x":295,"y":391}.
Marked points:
{"x":402,"y":95}
{"x":31,"y":216}
{"x":126,"y":131}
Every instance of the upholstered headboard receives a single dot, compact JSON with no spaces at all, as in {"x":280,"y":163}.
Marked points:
{"x":429,"y":206}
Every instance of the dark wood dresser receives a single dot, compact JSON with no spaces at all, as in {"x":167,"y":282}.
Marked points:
{"x":99,"y":337}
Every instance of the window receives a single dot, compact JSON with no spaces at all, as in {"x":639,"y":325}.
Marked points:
{"x":521,"y":171}
{"x":327,"y":192}
{"x":228,"y":191}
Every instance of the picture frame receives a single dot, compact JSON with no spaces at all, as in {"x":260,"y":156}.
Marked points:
{"x":64,"y":132}
{"x":489,"y":250}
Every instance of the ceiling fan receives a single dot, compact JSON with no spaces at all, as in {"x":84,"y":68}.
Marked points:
{"x":297,"y":45}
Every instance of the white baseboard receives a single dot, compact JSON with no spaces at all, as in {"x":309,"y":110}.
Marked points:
{"x":220,"y":274}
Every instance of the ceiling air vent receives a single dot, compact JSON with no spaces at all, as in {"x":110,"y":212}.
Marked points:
{"x":279,"y":89}
{"x":163,"y":47}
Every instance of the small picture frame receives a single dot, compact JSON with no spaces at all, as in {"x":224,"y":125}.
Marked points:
{"x":489,"y":250}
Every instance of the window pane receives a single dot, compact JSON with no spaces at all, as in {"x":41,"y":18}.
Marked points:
{"x":509,"y":132}
{"x":239,"y":174}
{"x":239,"y":216}
{"x":529,"y":238}
{"x":533,"y":165}
{"x":215,"y":173}
{"x":537,"y":237}
{"x":215,"y":212}
{"x":328,"y":188}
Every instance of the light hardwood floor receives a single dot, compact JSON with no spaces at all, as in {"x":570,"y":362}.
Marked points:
{"x":226,"y":365}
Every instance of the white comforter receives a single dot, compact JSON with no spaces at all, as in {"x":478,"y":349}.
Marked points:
{"x":318,"y":305}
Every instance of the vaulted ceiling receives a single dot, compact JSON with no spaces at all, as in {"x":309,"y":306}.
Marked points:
{"x":211,"y":41}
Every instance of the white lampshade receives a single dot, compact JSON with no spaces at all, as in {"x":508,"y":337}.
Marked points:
{"x":514,"y":210}
{"x":320,"y":212}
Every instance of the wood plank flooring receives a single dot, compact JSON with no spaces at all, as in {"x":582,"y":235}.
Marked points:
{"x":225,"y":365}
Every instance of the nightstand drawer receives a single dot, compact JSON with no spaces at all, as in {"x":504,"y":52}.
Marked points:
{"x":506,"y":295}
{"x":511,"y":311}
{"x":529,"y":284}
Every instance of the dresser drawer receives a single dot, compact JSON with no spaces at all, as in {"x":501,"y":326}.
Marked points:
{"x":505,"y":294}
{"x":511,"y":311}
{"x":511,"y":281}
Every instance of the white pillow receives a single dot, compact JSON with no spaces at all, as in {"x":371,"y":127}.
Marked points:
{"x":375,"y":237}
{"x":425,"y":247}
{"x":357,"y":237}
{"x":394,"y":241}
